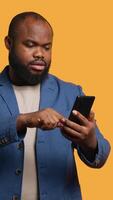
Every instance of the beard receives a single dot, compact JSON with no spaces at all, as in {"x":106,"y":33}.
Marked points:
{"x":22,"y":73}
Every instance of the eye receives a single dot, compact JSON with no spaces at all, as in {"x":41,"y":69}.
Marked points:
{"x":47,"y":47}
{"x":29,"y":44}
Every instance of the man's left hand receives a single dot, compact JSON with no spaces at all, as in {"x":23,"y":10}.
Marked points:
{"x":83,"y":134}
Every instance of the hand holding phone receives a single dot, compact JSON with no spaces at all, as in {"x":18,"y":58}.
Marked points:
{"x":83,"y":104}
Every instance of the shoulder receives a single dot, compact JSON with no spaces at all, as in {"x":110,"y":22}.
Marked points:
{"x":4,"y":75}
{"x":66,"y":86}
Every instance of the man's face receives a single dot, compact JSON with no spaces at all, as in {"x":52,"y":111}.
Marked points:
{"x":30,"y":53}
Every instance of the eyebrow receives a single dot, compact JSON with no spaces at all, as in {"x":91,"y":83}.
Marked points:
{"x":31,"y":40}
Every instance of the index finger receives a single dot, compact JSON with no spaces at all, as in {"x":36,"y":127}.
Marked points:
{"x":55,"y":113}
{"x":91,"y":116}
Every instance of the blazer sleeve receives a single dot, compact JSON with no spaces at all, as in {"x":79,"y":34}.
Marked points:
{"x":100,"y":156}
{"x":8,"y":132}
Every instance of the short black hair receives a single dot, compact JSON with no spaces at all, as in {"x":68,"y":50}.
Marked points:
{"x":21,"y":17}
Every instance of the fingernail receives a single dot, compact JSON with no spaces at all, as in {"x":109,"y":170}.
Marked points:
{"x":74,"y":112}
{"x":38,"y":120}
{"x":59,"y":124}
{"x":63,"y":120}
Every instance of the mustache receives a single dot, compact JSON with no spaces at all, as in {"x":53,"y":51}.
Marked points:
{"x":38,"y":61}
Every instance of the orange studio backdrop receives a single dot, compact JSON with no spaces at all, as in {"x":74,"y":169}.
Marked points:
{"x":83,"y":54}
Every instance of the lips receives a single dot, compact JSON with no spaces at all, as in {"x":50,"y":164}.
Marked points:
{"x":37,"y":65}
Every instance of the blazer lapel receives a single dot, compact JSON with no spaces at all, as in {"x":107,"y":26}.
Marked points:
{"x":48,"y":93}
{"x":7,"y":93}
{"x":50,"y":97}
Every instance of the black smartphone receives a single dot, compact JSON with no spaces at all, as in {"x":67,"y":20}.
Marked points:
{"x":83,"y":104}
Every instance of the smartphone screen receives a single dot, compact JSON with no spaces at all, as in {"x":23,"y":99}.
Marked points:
{"x":83,"y":104}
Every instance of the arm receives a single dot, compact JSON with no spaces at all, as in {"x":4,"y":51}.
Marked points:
{"x":8,"y":131}
{"x":13,"y":129}
{"x":92,"y":148}
{"x":97,"y":158}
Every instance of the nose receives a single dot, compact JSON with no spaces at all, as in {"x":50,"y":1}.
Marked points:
{"x":38,"y":53}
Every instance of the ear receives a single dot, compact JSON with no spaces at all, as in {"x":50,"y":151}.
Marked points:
{"x":8,"y":42}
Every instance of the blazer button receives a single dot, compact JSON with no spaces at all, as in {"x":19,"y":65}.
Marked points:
{"x":18,"y":171}
{"x":15,"y":197}
{"x":20,"y":145}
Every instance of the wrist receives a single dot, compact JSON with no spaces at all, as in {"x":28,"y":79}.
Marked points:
{"x":21,"y":122}
{"x":90,"y":144}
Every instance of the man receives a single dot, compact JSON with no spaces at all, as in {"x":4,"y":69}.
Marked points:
{"x":36,"y":138}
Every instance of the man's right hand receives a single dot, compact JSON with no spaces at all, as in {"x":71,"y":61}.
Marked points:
{"x":45,"y":119}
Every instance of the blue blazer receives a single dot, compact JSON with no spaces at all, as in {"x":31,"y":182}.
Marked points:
{"x":56,"y":166}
